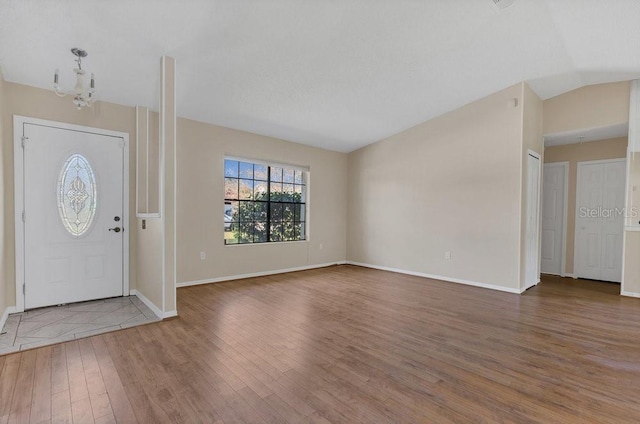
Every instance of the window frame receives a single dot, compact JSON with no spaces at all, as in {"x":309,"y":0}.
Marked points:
{"x":300,"y":215}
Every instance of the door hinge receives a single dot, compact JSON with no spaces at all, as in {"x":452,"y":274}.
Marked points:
{"x":23,"y":216}
{"x":23,"y":140}
{"x":24,"y":289}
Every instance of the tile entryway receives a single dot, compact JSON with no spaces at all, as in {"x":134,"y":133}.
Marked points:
{"x":55,"y":324}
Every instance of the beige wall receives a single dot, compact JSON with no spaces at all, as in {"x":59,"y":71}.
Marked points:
{"x":4,"y":291}
{"x":574,"y":153}
{"x":201,"y":150}
{"x":588,"y":107}
{"x":399,"y":203}
{"x":44,"y":104}
{"x":532,"y":112}
{"x":631,"y":270}
{"x":149,"y":260}
{"x":450,"y":184}
{"x":200,"y":192}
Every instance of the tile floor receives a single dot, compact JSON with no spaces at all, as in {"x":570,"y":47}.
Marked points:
{"x":55,"y":324}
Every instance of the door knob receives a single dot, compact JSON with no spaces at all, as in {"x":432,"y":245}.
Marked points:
{"x":115,"y":229}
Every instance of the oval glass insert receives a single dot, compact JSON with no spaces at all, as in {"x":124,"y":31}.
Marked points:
{"x":77,"y":195}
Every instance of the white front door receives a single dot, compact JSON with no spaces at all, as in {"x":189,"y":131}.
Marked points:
{"x":532,"y":266}
{"x":73,"y":194}
{"x":599,"y":220}
{"x":553,"y":217}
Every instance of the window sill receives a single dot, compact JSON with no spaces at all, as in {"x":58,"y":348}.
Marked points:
{"x":276,"y":243}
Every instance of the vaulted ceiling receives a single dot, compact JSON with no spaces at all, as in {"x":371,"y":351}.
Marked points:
{"x":337,"y":74}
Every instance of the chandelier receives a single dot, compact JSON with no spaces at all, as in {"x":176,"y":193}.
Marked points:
{"x":81,"y":97}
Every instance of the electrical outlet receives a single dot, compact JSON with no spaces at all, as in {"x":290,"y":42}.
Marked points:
{"x":447,"y":255}
{"x":203,"y":256}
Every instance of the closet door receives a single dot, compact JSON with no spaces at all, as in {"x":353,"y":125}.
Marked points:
{"x":599,"y":220}
{"x":553,"y":217}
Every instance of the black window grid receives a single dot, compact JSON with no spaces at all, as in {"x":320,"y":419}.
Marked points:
{"x":276,"y":214}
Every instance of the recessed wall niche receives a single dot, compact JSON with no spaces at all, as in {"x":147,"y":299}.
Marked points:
{"x":148,"y":163}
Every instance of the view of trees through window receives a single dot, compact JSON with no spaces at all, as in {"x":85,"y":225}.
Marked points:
{"x":263,"y":203}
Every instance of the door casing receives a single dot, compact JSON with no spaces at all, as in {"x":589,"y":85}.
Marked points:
{"x":18,"y":172}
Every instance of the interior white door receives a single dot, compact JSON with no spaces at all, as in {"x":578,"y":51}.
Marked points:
{"x":599,"y":220}
{"x":532,"y":265}
{"x":73,"y":210}
{"x":553,"y":211}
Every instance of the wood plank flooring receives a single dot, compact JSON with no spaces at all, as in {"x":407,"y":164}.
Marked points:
{"x":347,"y":345}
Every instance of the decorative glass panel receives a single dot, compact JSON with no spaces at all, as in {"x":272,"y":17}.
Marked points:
{"x":77,"y":195}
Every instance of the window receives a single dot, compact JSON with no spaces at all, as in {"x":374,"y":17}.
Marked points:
{"x":263,"y":203}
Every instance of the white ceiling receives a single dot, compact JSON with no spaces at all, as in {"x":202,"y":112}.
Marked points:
{"x":338,"y":74}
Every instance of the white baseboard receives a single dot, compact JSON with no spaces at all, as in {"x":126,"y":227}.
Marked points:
{"x":170,"y":314}
{"x":629,"y":294}
{"x":439,"y":277}
{"x":5,"y":315}
{"x":149,"y":303}
{"x":257,"y":274}
{"x":567,"y":275}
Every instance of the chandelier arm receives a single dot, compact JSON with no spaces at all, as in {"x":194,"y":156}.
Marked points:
{"x":59,"y":92}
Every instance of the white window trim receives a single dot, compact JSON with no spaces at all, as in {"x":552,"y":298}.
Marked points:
{"x":305,"y":169}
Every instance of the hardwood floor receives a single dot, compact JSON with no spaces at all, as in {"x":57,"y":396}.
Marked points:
{"x":347,"y":345}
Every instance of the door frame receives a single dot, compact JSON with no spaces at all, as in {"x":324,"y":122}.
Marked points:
{"x":565,"y":212}
{"x":18,"y":175}
{"x":576,"y":246}
{"x":525,"y":285}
